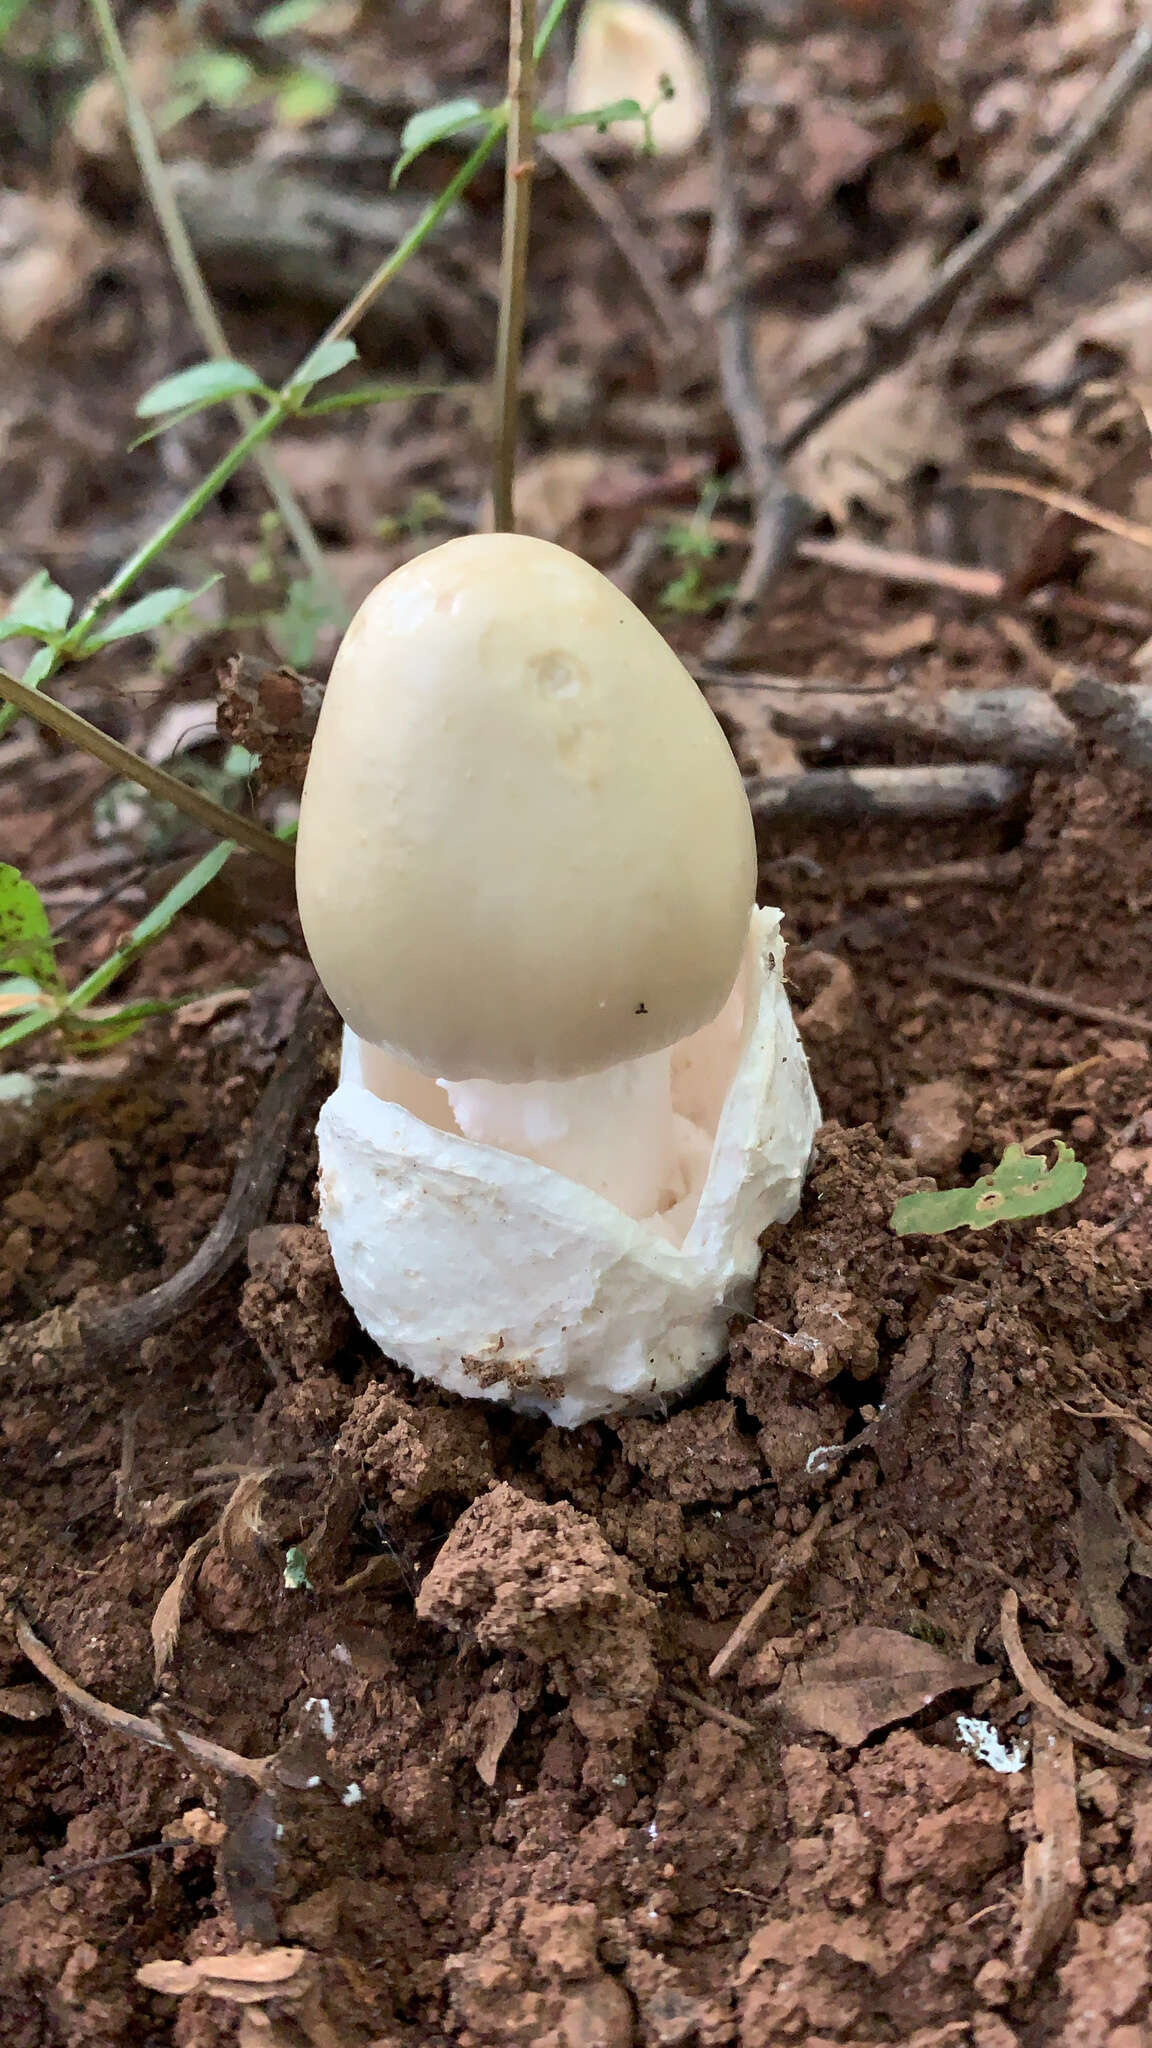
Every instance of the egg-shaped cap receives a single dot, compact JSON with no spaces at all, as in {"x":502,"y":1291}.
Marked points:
{"x":525,"y":851}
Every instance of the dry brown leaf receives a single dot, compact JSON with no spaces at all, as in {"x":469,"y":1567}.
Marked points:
{"x":873,"y":1677}
{"x":1122,"y":322}
{"x":869,"y":449}
{"x":48,"y":251}
{"x":494,"y":1720}
{"x":1103,"y":1538}
{"x":906,"y":636}
{"x":241,"y":1530}
{"x":553,"y":491}
{"x":170,"y":1606}
{"x":245,"y":1978}
{"x":1053,"y":1877}
{"x":624,"y":51}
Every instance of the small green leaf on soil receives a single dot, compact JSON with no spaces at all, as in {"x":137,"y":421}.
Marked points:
{"x":1019,"y":1187}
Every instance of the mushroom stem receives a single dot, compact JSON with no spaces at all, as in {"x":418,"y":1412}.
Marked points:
{"x":614,"y":1132}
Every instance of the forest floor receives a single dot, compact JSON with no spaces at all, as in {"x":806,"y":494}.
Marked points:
{"x":914,"y":1806}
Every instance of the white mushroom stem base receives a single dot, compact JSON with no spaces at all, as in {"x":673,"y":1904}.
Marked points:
{"x":615,"y":1132}
{"x":490,"y":1272}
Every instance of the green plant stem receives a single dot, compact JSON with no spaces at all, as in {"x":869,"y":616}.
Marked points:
{"x":196,"y":293}
{"x":520,"y":163}
{"x":285,"y":401}
{"x":122,"y":761}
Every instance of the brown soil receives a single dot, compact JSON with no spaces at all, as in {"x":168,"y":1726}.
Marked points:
{"x":509,"y":1807}
{"x":565,"y":1831}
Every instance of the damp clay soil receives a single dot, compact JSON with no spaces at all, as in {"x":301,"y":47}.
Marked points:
{"x":519,"y":1786}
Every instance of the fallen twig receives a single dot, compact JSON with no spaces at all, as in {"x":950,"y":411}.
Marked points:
{"x":212,"y":1754}
{"x":866,"y":558}
{"x":122,"y":761}
{"x":779,"y":513}
{"x":888,"y":346}
{"x":1024,"y":727}
{"x":1066,"y":501}
{"x":605,"y":202}
{"x":124,"y":1327}
{"x":952,"y":791}
{"x":1053,"y":1876}
{"x":996,"y":871}
{"x":1040,"y":998}
{"x":750,"y":1622}
{"x":72,"y":1871}
{"x":711,"y":1713}
{"x":1113,"y":1741}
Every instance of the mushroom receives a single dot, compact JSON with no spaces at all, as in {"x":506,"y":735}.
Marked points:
{"x":526,"y":874}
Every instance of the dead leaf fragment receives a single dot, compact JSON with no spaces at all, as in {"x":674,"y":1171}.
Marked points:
{"x":246,"y":1978}
{"x":1053,"y":1877}
{"x":494,"y":1721}
{"x":170,"y":1607}
{"x":1103,"y":1537}
{"x":906,"y":636}
{"x":867,"y":451}
{"x":48,"y":251}
{"x":873,"y":1677}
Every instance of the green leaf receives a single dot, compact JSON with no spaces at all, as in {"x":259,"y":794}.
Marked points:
{"x":10,"y":12}
{"x":146,"y":614}
{"x":88,"y":1033}
{"x":325,"y":361}
{"x":26,"y":948}
{"x":436,"y":124}
{"x":296,"y":1578}
{"x":40,"y":610}
{"x":1020,"y":1186}
{"x":371,"y":394}
{"x":203,"y":384}
{"x":152,"y":926}
{"x":289,"y":15}
{"x":304,"y":96}
{"x":222,"y":77}
{"x":600,"y":118}
{"x":39,"y":667}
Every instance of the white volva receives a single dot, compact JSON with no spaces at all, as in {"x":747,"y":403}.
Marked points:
{"x":572,"y":1096}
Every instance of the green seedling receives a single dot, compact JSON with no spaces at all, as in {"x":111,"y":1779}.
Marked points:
{"x":1021,"y":1186}
{"x":693,"y":543}
{"x":33,"y":993}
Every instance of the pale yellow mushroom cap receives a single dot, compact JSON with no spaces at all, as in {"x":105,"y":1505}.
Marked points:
{"x":626,"y":50}
{"x":525,"y":850}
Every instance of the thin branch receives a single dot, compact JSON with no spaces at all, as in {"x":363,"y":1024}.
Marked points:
{"x":519,"y":166}
{"x":1040,"y":998}
{"x":779,"y":512}
{"x":212,"y":1754}
{"x":1077,"y":507}
{"x":888,"y":346}
{"x":196,"y":294}
{"x":735,"y":1722}
{"x":1113,"y":1741}
{"x":122,"y":761}
{"x":72,"y":1871}
{"x":605,"y":202}
{"x":124,"y":1327}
